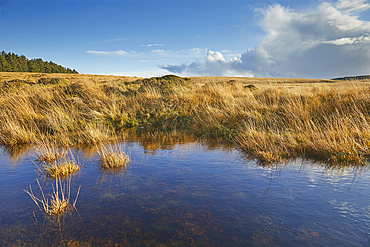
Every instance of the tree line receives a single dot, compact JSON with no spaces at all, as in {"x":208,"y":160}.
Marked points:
{"x":10,"y":62}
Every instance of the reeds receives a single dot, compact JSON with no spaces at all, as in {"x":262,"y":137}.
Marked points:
{"x":60,"y":169}
{"x":56,"y":163}
{"x":59,"y":200}
{"x":48,"y":151}
{"x":330,"y":124}
{"x":112,"y":157}
{"x":274,"y":120}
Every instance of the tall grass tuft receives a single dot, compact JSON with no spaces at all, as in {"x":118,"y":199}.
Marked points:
{"x":48,"y":151}
{"x":112,"y":157}
{"x":58,"y":201}
{"x":60,"y":169}
{"x":55,"y":161}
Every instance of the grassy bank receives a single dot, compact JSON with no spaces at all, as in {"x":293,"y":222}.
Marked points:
{"x":270,"y":119}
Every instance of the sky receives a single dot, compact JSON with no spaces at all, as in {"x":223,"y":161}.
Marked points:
{"x":298,"y":39}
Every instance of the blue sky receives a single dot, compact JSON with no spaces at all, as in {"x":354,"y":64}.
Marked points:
{"x":308,"y":39}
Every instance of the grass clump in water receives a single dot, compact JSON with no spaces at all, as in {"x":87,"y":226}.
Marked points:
{"x":112,"y":157}
{"x":48,"y":151}
{"x":55,"y":162}
{"x":59,"y":200}
{"x":60,"y":169}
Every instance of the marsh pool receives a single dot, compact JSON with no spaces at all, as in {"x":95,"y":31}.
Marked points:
{"x":177,"y":191}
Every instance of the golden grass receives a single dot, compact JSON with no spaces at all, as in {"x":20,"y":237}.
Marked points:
{"x":59,"y":200}
{"x":55,"y":163}
{"x":48,"y":151}
{"x":324,"y":123}
{"x":60,"y":169}
{"x":276,"y":119}
{"x":112,"y":157}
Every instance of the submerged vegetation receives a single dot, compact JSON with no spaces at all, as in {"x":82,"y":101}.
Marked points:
{"x":270,"y":119}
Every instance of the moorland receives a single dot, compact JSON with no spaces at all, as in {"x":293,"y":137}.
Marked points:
{"x":270,"y":119}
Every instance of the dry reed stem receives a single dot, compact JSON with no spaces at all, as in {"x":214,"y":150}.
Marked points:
{"x":48,"y":151}
{"x":59,"y":198}
{"x":111,"y":157}
{"x":55,"y":163}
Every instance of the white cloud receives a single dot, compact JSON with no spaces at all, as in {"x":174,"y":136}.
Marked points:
{"x":355,"y":6}
{"x":118,"y":53}
{"x":158,"y":51}
{"x":197,"y":51}
{"x":328,"y":40}
{"x":364,"y":39}
{"x":193,"y":53}
{"x":214,"y":57}
{"x":150,"y":45}
{"x":155,"y":54}
{"x":215,"y":64}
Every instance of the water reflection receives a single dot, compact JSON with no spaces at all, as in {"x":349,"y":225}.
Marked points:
{"x":179,"y":192}
{"x":15,"y":154}
{"x":152,"y":142}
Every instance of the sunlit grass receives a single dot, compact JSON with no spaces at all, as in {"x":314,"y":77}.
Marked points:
{"x":60,"y":169}
{"x":112,"y":157}
{"x":270,"y":119}
{"x":55,"y":161}
{"x":48,"y":151}
{"x":57,"y":202}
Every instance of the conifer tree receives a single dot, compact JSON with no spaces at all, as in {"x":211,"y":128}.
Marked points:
{"x":4,"y":65}
{"x":10,"y":62}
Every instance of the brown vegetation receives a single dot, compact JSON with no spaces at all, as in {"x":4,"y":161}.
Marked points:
{"x":270,"y":119}
{"x":60,"y":169}
{"x":58,"y":202}
{"x":55,"y":160}
{"x":48,"y":151}
{"x":112,"y":157}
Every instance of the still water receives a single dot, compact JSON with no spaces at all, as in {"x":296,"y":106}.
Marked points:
{"x":180,"y":192}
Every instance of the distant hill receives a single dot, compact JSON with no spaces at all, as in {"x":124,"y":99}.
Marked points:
{"x":10,"y":62}
{"x":351,"y":78}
